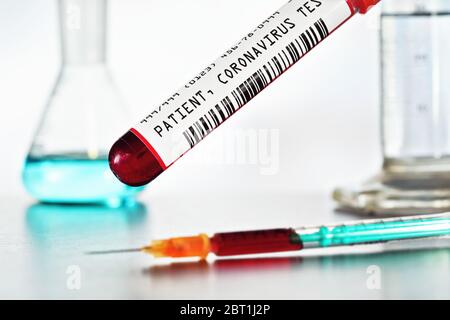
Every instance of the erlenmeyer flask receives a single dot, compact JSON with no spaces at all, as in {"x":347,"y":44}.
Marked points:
{"x":67,"y":162}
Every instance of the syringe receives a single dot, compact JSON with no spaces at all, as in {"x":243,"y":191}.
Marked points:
{"x":293,"y":239}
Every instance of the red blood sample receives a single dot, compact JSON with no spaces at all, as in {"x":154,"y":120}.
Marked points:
{"x":363,"y":5}
{"x":132,"y":161}
{"x":250,"y":242}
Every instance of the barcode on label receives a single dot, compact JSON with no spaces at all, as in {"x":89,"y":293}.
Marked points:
{"x":257,"y":82}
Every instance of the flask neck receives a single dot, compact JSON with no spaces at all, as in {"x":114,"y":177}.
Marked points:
{"x":83,"y":31}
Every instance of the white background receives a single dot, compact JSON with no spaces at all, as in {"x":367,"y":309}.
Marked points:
{"x":326,"y":107}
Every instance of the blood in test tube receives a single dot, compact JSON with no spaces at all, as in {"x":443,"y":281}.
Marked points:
{"x":221,"y":89}
{"x":251,"y":242}
{"x":133,"y":162}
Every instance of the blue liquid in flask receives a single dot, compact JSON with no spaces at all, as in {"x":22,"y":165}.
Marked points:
{"x":59,"y":179}
{"x":67,"y":162}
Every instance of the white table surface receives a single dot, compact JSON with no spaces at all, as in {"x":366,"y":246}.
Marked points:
{"x":40,"y":245}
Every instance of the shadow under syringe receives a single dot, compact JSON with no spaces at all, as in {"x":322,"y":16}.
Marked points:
{"x":427,"y":267}
{"x":180,"y":269}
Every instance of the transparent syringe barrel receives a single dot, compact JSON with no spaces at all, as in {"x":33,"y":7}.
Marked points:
{"x":415,"y":68}
{"x":372,"y":231}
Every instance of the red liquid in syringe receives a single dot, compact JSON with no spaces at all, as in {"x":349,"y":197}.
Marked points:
{"x":217,"y":92}
{"x":227,"y":244}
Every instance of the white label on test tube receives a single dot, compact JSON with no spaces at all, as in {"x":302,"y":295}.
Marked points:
{"x":238,"y":75}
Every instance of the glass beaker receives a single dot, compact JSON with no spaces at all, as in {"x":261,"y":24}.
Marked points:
{"x":67,"y":161}
{"x":415,"y":113}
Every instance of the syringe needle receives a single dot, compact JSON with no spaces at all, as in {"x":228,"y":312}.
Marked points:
{"x":115,"y":251}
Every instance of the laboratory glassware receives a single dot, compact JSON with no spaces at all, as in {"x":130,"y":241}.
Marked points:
{"x":222,"y":88}
{"x":415,"y":113}
{"x":67,"y":161}
{"x":294,"y":239}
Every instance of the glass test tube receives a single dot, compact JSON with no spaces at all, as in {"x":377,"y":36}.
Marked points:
{"x":222,"y":88}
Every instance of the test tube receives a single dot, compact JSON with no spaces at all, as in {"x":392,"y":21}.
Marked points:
{"x":217,"y":92}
